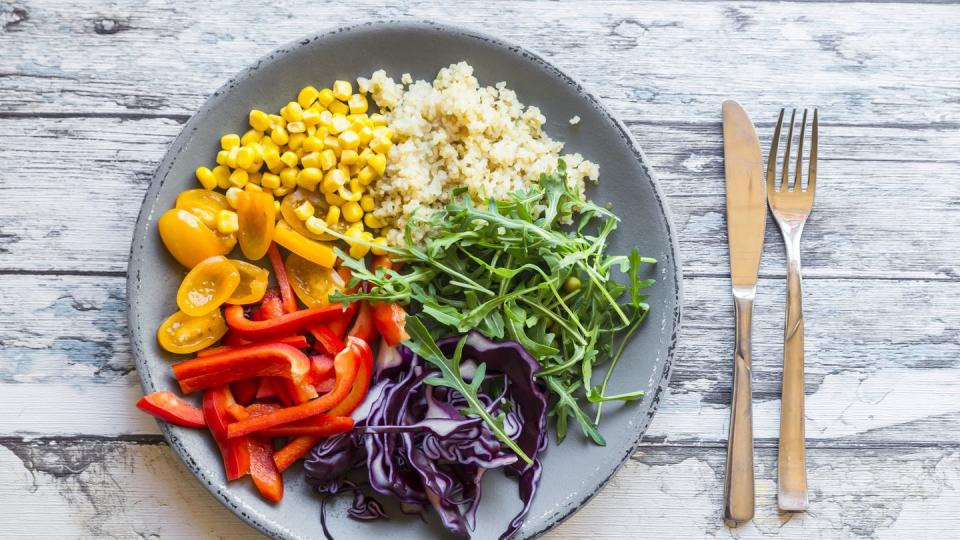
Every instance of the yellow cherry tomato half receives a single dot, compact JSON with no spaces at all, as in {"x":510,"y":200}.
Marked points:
{"x":204,"y":204}
{"x":207,"y":286}
{"x":294,"y":199}
{"x":316,"y":252}
{"x":311,"y":282}
{"x":253,"y":283}
{"x":257,"y":218}
{"x":187,"y":238}
{"x":183,"y":334}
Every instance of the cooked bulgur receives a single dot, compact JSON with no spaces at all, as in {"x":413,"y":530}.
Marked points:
{"x":455,"y":133}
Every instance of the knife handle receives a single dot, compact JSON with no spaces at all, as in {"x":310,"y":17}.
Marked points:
{"x":738,"y":492}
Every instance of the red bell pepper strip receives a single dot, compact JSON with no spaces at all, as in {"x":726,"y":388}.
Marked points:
{"x":279,"y":327}
{"x":296,"y":448}
{"x":299,"y":393}
{"x":172,"y":409}
{"x":299,"y":342}
{"x":232,"y":340}
{"x":280,"y":272}
{"x":390,"y":320}
{"x":235,"y":452}
{"x":266,"y":476}
{"x":325,"y":386}
{"x":321,"y":368}
{"x":363,"y":327}
{"x":282,"y":394}
{"x":271,"y":306}
{"x":265,"y":360}
{"x":339,"y":325}
{"x":361,"y":383}
{"x":327,"y":341}
{"x":266,"y":390}
{"x":245,"y":391}
{"x":345,"y":365}
{"x":319,"y":426}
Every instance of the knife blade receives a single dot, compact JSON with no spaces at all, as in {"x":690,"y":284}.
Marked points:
{"x":746,"y":219}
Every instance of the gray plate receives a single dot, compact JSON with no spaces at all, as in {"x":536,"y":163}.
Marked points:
{"x":573,"y":471}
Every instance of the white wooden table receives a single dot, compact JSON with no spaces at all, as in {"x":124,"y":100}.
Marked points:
{"x":92,"y":93}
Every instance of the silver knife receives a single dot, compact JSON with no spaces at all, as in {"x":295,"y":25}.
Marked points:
{"x":746,"y":218}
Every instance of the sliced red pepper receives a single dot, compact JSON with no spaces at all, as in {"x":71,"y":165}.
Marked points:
{"x":363,"y":327}
{"x":345,"y":366}
{"x":280,"y":272}
{"x":327,"y":341}
{"x":381,"y":261}
{"x":266,"y":390}
{"x":299,"y":342}
{"x":232,"y":340}
{"x":271,"y":306}
{"x":172,"y":409}
{"x":339,"y":325}
{"x":265,"y":360}
{"x":299,"y":393}
{"x":245,"y":391}
{"x":390,"y":320}
{"x":266,"y":476}
{"x":361,"y":383}
{"x":296,"y":448}
{"x":321,"y":368}
{"x":325,"y":386}
{"x":279,"y":327}
{"x":331,"y":425}
{"x":235,"y":452}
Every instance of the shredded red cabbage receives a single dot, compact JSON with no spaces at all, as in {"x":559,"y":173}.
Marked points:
{"x":419,"y":449}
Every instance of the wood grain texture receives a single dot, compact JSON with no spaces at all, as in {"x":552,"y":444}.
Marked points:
{"x":91,"y":95}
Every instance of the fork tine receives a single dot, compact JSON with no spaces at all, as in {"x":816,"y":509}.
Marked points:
{"x":785,"y":177}
{"x":772,"y":157}
{"x":798,"y":178}
{"x":812,"y":175}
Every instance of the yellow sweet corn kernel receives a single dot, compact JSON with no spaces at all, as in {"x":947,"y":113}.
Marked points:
{"x":311,"y":160}
{"x":272,"y":158}
{"x":276,"y":121}
{"x":244,"y":157}
{"x":314,"y":225}
{"x":227,"y":222}
{"x":348,"y":140}
{"x":378,"y":119}
{"x":222,"y":156}
{"x":333,"y":180}
{"x":292,"y":112}
{"x":231,"y":160}
{"x":381,"y":145}
{"x":333,"y":199}
{"x":239,"y":178}
{"x":338,"y":124}
{"x":279,"y":135}
{"x":366,"y":202}
{"x":307,"y":96}
{"x":366,"y":175}
{"x":229,"y":141}
{"x":333,"y":215}
{"x":254,"y":178}
{"x":296,"y":127}
{"x":299,"y":152}
{"x":259,"y":120}
{"x":378,"y":162}
{"x":313,"y":144}
{"x":231,"y":195}
{"x":365,"y":134}
{"x":355,"y":169}
{"x":325,"y":97}
{"x":357,"y":103}
{"x":281,"y":191}
{"x":371,"y":221}
{"x":309,"y":178}
{"x":289,"y":159}
{"x":342,"y":90}
{"x":359,"y":251}
{"x":276,"y":209}
{"x":355,"y":230}
{"x":349,"y":157}
{"x":310,"y":130}
{"x":351,"y":211}
{"x":348,"y":194}
{"x":311,"y":117}
{"x":380,"y":241}
{"x":326,"y":119}
{"x":356,"y":187}
{"x":288,"y":177}
{"x":251,"y":136}
{"x":270,"y":180}
{"x":296,"y":140}
{"x":333,"y":144}
{"x":338,"y":107}
{"x":328,"y":159}
{"x":266,"y":142}
{"x":304,"y":211}
{"x":222,"y":174}
{"x":252,"y":187}
{"x":366,"y":154}
{"x":206,"y":178}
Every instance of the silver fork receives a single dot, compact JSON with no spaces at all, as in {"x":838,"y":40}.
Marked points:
{"x":791,"y":205}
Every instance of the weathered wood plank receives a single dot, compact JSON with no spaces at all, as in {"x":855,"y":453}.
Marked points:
{"x":859,"y":226}
{"x":660,"y":60}
{"x":873,"y":346}
{"x":126,"y":489}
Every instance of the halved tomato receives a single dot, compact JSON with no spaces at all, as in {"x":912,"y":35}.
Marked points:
{"x":183,"y":334}
{"x":207,"y":286}
{"x":253,"y":283}
{"x":188,"y":239}
{"x":294,"y":199}
{"x":204,"y":204}
{"x":257,"y":217}
{"x":311,"y":282}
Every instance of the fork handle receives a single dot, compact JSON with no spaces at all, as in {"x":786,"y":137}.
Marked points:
{"x":738,"y":493}
{"x":792,"y":467}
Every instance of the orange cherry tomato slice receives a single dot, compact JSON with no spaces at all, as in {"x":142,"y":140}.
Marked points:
{"x":311,"y":282}
{"x":187,"y":238}
{"x":204,"y":204}
{"x":207,"y":286}
{"x":294,"y":199}
{"x":253,"y":283}
{"x":317,"y":252}
{"x":257,"y":217}
{"x":183,"y":334}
